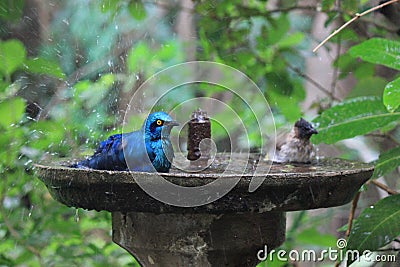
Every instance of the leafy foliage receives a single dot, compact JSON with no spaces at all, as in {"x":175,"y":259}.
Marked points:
{"x":15,"y":107}
{"x":95,"y":52}
{"x":378,"y":51}
{"x":43,"y":66}
{"x":11,"y":10}
{"x":391,"y":95}
{"x":388,"y":161}
{"x":33,"y":222}
{"x":257,"y":44}
{"x":376,"y":226}
{"x":384,"y":52}
{"x":12,"y":55}
{"x":352,"y":117}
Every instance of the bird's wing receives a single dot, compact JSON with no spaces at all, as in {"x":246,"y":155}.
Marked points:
{"x":108,"y":155}
{"x":138,"y":153}
{"x":150,"y":151}
{"x":122,"y":152}
{"x":281,"y":139}
{"x":113,"y":142}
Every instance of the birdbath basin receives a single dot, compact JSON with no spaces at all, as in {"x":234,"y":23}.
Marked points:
{"x":227,"y":232}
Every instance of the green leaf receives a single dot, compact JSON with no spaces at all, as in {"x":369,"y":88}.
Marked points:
{"x":279,"y":29}
{"x":205,"y":43}
{"x":109,"y":5}
{"x":346,"y":34}
{"x":391,"y":95}
{"x":11,"y":110}
{"x":288,"y":106}
{"x":349,"y":5}
{"x":11,"y":141}
{"x":245,"y":58}
{"x":43,"y":66}
{"x":359,"y":69}
{"x":3,"y":84}
{"x":311,"y":236}
{"x":378,"y":51}
{"x":12,"y":55}
{"x":280,"y":83}
{"x":167,"y":51}
{"x":352,"y":117}
{"x":136,"y":9}
{"x":11,"y":10}
{"x":342,"y":228}
{"x":4,"y":260}
{"x":387,"y":162}
{"x":327,"y":5}
{"x":46,"y":134}
{"x":376,"y":226}
{"x":138,"y":57}
{"x":290,"y":40}
{"x":362,"y":70}
{"x":94,"y":93}
{"x":368,"y":86}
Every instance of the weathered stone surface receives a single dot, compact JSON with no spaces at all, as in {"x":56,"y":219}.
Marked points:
{"x":193,"y":240}
{"x":227,"y":232}
{"x":328,"y":183}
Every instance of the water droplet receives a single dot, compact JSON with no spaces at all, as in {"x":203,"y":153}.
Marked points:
{"x":30,"y":211}
{"x":76,"y":217}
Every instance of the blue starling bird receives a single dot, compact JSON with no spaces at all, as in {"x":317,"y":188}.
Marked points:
{"x":296,"y":146}
{"x":148,"y":149}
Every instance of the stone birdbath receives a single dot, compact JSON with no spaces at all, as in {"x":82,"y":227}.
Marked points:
{"x":242,"y":207}
{"x":226,"y":232}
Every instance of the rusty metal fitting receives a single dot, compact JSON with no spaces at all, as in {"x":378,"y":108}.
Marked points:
{"x":199,"y":129}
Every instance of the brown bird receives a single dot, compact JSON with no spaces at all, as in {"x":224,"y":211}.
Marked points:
{"x":296,"y":146}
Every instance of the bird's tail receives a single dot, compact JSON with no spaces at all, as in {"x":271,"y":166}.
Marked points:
{"x":75,"y":165}
{"x":83,"y":164}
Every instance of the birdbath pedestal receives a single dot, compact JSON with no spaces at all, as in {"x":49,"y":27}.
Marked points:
{"x":227,"y":232}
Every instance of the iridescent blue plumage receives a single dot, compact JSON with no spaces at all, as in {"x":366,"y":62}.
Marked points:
{"x":148,"y":149}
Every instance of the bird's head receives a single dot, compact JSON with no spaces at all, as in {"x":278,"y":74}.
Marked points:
{"x":303,"y":129}
{"x":158,"y":125}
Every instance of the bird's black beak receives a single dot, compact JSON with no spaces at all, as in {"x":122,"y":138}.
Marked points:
{"x":171,"y":123}
{"x":312,"y":131}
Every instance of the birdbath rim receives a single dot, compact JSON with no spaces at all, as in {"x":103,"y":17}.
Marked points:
{"x":285,"y":187}
{"x":290,"y":170}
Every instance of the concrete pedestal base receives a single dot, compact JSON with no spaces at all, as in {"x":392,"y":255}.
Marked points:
{"x":198,"y":239}
{"x":227,"y":232}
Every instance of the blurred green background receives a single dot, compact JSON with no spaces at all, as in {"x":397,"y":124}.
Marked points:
{"x":69,"y":68}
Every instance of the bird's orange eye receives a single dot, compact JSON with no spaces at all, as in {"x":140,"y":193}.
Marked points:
{"x":159,"y":122}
